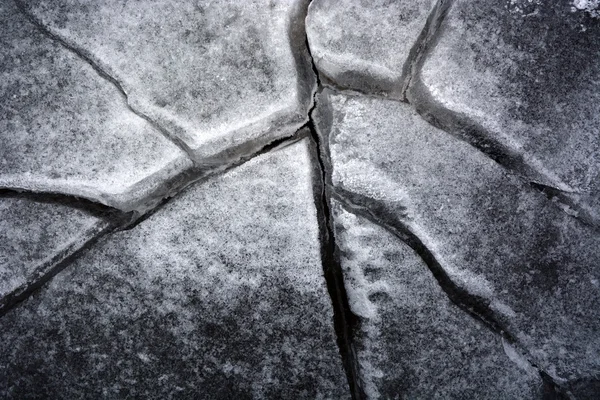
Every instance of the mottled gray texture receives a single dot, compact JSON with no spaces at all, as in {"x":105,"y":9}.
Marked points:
{"x":65,"y":129}
{"x":413,"y":342}
{"x":528,"y":73}
{"x":34,"y":236}
{"x":534,"y":267}
{"x":220,"y":294}
{"x":365,"y":44}
{"x":224,"y":77}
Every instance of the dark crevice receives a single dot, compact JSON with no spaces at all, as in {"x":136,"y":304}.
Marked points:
{"x":416,"y":93}
{"x":423,"y":43}
{"x":476,"y":306}
{"x":567,"y":202}
{"x":199,"y":176}
{"x":345,"y":322}
{"x":113,"y":220}
{"x":88,"y":59}
{"x":93,"y":208}
{"x":510,"y":160}
{"x":109,"y":219}
{"x":51,"y":268}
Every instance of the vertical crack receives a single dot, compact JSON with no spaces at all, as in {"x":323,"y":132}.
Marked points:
{"x":344,"y":321}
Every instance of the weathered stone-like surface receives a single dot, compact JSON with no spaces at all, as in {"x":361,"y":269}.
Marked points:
{"x":413,"y":342}
{"x":65,"y":129}
{"x":220,"y":294}
{"x":527,"y":73}
{"x":35,"y":236}
{"x":365,"y":45}
{"x":533,"y":266}
{"x":225,"y":78}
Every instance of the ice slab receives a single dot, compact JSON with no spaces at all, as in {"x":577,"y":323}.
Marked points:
{"x":413,"y":343}
{"x":224,"y":77}
{"x":34,"y":237}
{"x":219,"y":294}
{"x":532,"y":266}
{"x":527,"y":73}
{"x":366,"y":45}
{"x":65,"y":129}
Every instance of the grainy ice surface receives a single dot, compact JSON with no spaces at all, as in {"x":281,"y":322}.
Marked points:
{"x":300,"y":199}
{"x":220,"y":294}
{"x":66,"y":129}
{"x":35,"y":235}
{"x":528,"y":72}
{"x":365,"y":44}
{"x":413,"y":340}
{"x":217,"y":75}
{"x":534,"y":266}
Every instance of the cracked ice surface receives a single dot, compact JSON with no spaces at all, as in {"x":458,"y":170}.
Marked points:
{"x":365,"y":44}
{"x":65,"y":129}
{"x":528,"y":73}
{"x":452,"y":253}
{"x":410,"y":329}
{"x":36,"y":235}
{"x":534,"y":266}
{"x":220,"y":294}
{"x":223,"y":77}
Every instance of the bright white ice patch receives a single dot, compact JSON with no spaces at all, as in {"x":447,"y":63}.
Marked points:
{"x":590,"y":6}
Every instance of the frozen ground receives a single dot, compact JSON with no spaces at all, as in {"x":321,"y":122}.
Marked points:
{"x":300,"y":199}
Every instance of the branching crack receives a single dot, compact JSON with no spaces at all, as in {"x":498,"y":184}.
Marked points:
{"x":477,"y":307}
{"x":345,"y":322}
{"x":416,"y":93}
{"x":109,"y":219}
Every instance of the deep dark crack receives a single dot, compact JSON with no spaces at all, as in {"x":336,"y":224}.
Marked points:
{"x":475,"y":306}
{"x":345,"y":322}
{"x":459,"y":125}
{"x":423,"y":43}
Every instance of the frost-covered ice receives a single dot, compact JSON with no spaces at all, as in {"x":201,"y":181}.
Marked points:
{"x":590,"y":6}
{"x":219,"y":294}
{"x":225,"y":77}
{"x":34,"y":236}
{"x":365,"y":45}
{"x":65,"y":129}
{"x":527,"y":73}
{"x":494,"y":235}
{"x":412,"y":339}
